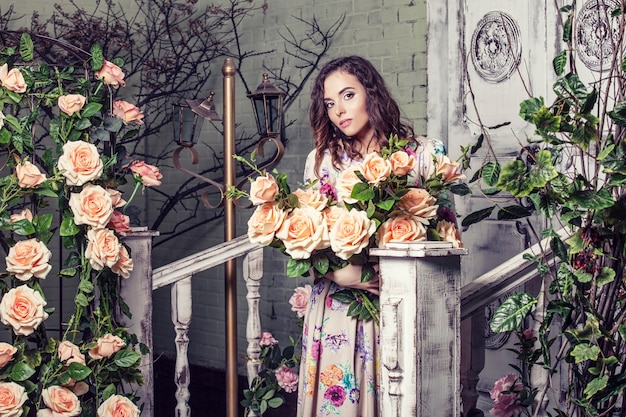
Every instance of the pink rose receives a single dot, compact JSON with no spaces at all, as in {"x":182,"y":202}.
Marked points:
{"x":263,"y":189}
{"x":420,"y":204}
{"x":80,"y":162}
{"x":120,"y":223}
{"x":61,"y":402}
{"x":528,"y":334}
{"x":68,"y":353}
{"x":351,"y":233}
{"x":6,"y":353}
{"x":287,"y":378}
{"x":450,"y":171}
{"x":103,"y":248}
{"x":267,"y":339}
{"x":71,"y":103}
{"x":264,"y":222}
{"x":12,"y":80}
{"x":116,"y":198}
{"x":303,"y":231}
{"x":344,"y":185}
{"x":22,"y":308}
{"x":118,"y":406}
{"x":449,"y":233}
{"x":106,"y":347}
{"x":28,"y":175}
{"x":150,"y":175}
{"x":27,"y":258}
{"x":300,"y":299}
{"x":374,"y":168}
{"x":402,"y":163}
{"x":124,"y":265}
{"x":311,"y":197}
{"x":129,"y":113}
{"x":400,"y":228}
{"x":12,"y":398}
{"x":506,"y":398}
{"x":25,"y":214}
{"x":93,"y":206}
{"x":111,"y":74}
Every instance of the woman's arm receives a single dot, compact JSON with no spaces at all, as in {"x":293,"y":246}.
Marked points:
{"x":350,"y":276}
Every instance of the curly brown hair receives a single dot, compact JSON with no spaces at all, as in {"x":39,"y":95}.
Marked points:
{"x":382,"y":109}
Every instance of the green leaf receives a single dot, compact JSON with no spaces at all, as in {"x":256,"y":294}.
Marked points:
{"x":46,"y":192}
{"x":476,"y":216}
{"x":511,"y":313}
{"x":559,"y":61}
{"x":23,"y":227}
{"x":68,"y":227}
{"x":97,"y":57}
{"x":126,"y":358}
{"x":275,"y":402}
{"x":26,"y":47}
{"x":582,"y":276}
{"x":362,"y":192}
{"x":385,"y":205}
{"x":595,"y":385}
{"x":460,"y":189}
{"x":44,"y":222}
{"x":5,"y":136}
{"x":605,"y":276}
{"x":513,"y":212}
{"x":78,"y":371}
{"x":297,"y":267}
{"x":567,"y":30}
{"x":529,"y":107}
{"x":90,"y":109}
{"x":81,"y":300}
{"x":593,"y":200}
{"x":21,"y":372}
{"x":113,"y":124}
{"x":618,"y":114}
{"x":108,"y":391}
{"x":491,"y":173}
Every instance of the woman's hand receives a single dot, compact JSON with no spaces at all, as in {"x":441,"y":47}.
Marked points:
{"x":350,"y":277}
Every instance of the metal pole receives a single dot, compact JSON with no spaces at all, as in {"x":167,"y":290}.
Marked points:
{"x":230,"y":278}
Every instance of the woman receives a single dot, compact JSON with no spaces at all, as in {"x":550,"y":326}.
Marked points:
{"x":352,"y":113}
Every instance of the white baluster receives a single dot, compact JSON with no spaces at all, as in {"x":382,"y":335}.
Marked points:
{"x":252,"y":274}
{"x":181,"y":317}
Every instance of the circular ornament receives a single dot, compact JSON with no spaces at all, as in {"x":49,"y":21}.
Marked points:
{"x":496,"y":48}
{"x":494,"y":341}
{"x":596,"y":33}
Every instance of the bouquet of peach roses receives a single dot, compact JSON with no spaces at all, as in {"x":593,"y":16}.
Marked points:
{"x":324,"y":226}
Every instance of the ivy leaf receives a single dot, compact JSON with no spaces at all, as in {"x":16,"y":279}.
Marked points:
{"x":585,"y":352}
{"x":595,"y":385}
{"x":511,"y":313}
{"x":605,"y":276}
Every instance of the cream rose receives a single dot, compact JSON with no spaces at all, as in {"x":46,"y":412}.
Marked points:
{"x":28,"y":258}
{"x":118,"y":406}
{"x":331,"y":214}
{"x":12,"y":398}
{"x":103,"y":248}
{"x":263,"y":189}
{"x":68,"y":353}
{"x":351,"y":233}
{"x":344,"y":185}
{"x":375,"y":169}
{"x":124,"y":265}
{"x":300,"y":299}
{"x":450,"y":171}
{"x":93,"y":206}
{"x":71,"y":103}
{"x":449,"y":233}
{"x":150,"y":175}
{"x":7,"y":351}
{"x":106,"y":347}
{"x":303,"y":231}
{"x":401,"y":228}
{"x":2,"y":117}
{"x":264,"y":222}
{"x":311,"y":197}
{"x":111,"y":74}
{"x":80,"y":162}
{"x":28,"y":175}
{"x":420,"y":204}
{"x":402,"y":163}
{"x":25,"y":214}
{"x":120,"y":223}
{"x":61,"y":402}
{"x":12,"y":80}
{"x":129,"y":113}
{"x":22,"y":308}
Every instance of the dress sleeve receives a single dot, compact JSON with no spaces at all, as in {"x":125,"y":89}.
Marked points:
{"x":309,"y":167}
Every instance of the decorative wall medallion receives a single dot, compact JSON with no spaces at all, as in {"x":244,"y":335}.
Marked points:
{"x":494,"y":341}
{"x":596,"y":33}
{"x":496,"y":48}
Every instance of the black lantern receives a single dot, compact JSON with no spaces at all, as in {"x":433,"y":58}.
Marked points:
{"x":267,"y":103}
{"x":188,"y":119}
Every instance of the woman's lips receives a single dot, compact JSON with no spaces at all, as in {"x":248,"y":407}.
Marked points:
{"x":345,"y":123}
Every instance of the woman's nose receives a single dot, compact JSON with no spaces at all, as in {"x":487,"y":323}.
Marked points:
{"x":339,"y":109}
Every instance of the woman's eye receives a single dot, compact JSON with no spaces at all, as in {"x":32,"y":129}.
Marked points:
{"x":348,"y":96}
{"x":329,"y":104}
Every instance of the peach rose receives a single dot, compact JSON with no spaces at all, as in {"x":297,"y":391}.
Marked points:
{"x":129,"y":113}
{"x":331,"y":214}
{"x":402,"y":163}
{"x":28,"y":175}
{"x":116,"y":198}
{"x":12,"y":80}
{"x":267,"y":339}
{"x":12,"y":398}
{"x":111,"y":74}
{"x":150,"y":175}
{"x":124,"y":265}
{"x":264,"y":222}
{"x":300,"y":299}
{"x":22,"y":308}
{"x":103,"y":248}
{"x":375,"y":169}
{"x":449,"y":170}
{"x":27,"y":258}
{"x":449,"y":233}
{"x":120,"y":223}
{"x":68,"y":353}
{"x":263,"y":189}
{"x":80,"y":162}
{"x":351,"y":233}
{"x":71,"y":103}
{"x":7,"y":351}
{"x":107,"y":346}
{"x":401,"y":228}
{"x":311,"y":197}
{"x":420,"y":204}
{"x":118,"y":406}
{"x":61,"y":402}
{"x":93,"y":206}
{"x":25,"y":214}
{"x":344,"y":185}
{"x":303,"y":231}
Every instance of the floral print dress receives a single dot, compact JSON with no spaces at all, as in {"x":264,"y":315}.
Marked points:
{"x":340,"y":369}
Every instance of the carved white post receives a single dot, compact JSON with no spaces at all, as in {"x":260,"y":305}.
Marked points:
{"x":420,"y":329}
{"x":181,"y":317}
{"x":139,"y":287}
{"x":252,"y":274}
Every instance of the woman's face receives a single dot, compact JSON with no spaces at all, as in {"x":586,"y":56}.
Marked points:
{"x":345,"y":101}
